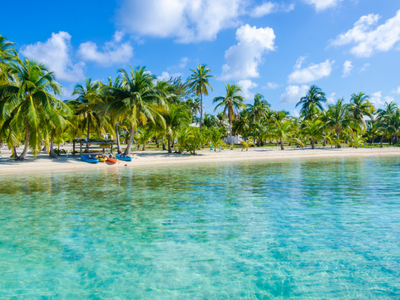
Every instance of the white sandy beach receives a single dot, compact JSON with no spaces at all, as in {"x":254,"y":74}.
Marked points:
{"x":43,"y":163}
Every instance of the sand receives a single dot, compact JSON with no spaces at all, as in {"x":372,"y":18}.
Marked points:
{"x":149,"y":158}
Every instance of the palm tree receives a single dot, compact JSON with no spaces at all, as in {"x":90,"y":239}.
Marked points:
{"x":314,"y":99}
{"x":282,"y":131}
{"x":141,"y":101}
{"x":8,"y":55}
{"x":232,"y":102}
{"x":199,"y":83}
{"x":194,"y":105}
{"x":360,"y":107}
{"x":313,"y":130}
{"x":259,"y":109}
{"x":87,"y":106}
{"x":176,"y":118}
{"x":339,"y":118}
{"x":29,"y":105}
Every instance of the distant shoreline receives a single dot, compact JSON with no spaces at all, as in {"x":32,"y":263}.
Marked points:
{"x":158,"y":158}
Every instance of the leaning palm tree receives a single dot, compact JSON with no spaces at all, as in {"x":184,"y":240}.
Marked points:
{"x":361,"y":107}
{"x":314,"y":99}
{"x":141,"y":101}
{"x":199,"y":83}
{"x":232,"y":102}
{"x":29,"y":104}
{"x":282,"y":130}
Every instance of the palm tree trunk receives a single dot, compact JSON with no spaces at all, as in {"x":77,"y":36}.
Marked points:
{"x":338,"y":136}
{"x":282,"y":145}
{"x":119,"y":150}
{"x":25,"y":152}
{"x":312,"y":143}
{"x":51,"y":151}
{"x":230,"y":129}
{"x":130,"y":142}
{"x":381,"y":142}
{"x":88,"y":136}
{"x":373,"y":140}
{"x":201,"y":110}
{"x":169,"y":144}
{"x":163,"y":144}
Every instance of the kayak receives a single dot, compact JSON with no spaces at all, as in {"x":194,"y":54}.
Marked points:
{"x":124,"y":157}
{"x":89,"y":159}
{"x":112,"y":159}
{"x":101,"y":158}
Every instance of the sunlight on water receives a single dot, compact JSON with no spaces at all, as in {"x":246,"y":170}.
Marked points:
{"x":299,"y":229}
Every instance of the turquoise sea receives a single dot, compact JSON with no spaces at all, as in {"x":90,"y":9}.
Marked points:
{"x":295,"y":229}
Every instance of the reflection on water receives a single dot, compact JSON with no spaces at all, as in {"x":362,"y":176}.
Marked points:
{"x":300,"y":229}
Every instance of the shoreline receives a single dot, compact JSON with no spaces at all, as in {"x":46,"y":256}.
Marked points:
{"x":160,"y":158}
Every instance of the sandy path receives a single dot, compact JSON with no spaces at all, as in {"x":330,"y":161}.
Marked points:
{"x":43,"y":163}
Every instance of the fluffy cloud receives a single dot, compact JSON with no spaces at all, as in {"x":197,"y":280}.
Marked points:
{"x":246,"y":86}
{"x":55,"y":53}
{"x":186,"y":20}
{"x":165,"y":76}
{"x":113,"y":52}
{"x":270,"y":7}
{"x":331,"y":99}
{"x":311,"y":73}
{"x":347,"y":67}
{"x":244,"y":58}
{"x":272,"y":85}
{"x":293,"y":93}
{"x":323,"y":4}
{"x":369,"y":39}
{"x":376,"y":99}
{"x":183,"y":63}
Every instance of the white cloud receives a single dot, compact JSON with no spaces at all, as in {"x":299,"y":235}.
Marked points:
{"x":183,"y":63}
{"x":299,"y":62}
{"x":273,"y":85}
{"x":389,"y":99}
{"x":323,"y":4}
{"x":365,"y":67}
{"x":270,"y":7}
{"x":368,"y":39}
{"x":293,"y":93}
{"x":244,"y":58}
{"x":295,"y":113}
{"x":113,"y":52}
{"x":246,"y":86}
{"x":331,"y":99}
{"x":376,"y":99}
{"x":311,"y":73}
{"x":347,"y":67}
{"x":55,"y":53}
{"x":398,"y":90}
{"x":165,"y":76}
{"x":186,"y":20}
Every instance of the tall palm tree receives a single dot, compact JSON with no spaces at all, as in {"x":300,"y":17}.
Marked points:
{"x":315,"y":98}
{"x":282,"y":131}
{"x":141,"y":101}
{"x":259,"y":109}
{"x":232,"y":102}
{"x":199,"y":83}
{"x":361,"y":107}
{"x":29,"y":104}
{"x":339,"y":118}
{"x":194,"y":104}
{"x":87,"y":105}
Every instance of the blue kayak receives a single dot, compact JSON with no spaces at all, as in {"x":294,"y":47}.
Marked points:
{"x":89,"y":159}
{"x":124,"y":157}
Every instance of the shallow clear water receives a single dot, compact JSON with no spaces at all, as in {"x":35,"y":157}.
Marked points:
{"x":299,"y":229}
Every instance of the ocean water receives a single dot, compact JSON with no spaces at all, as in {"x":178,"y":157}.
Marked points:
{"x":296,"y":229}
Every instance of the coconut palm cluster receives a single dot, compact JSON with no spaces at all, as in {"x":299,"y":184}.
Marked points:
{"x":136,"y":109}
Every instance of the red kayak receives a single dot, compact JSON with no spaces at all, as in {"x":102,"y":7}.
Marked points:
{"x":112,"y":160}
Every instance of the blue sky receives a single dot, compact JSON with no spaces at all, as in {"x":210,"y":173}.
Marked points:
{"x":277,"y":49}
